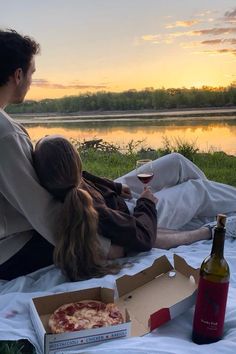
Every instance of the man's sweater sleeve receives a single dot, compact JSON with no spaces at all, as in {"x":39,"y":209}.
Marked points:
{"x":20,"y":187}
{"x":135,"y":232}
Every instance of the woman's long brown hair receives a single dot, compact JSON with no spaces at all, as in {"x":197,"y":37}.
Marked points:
{"x":77,"y":253}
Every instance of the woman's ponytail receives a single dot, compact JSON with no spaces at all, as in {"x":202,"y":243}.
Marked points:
{"x":78,"y":252}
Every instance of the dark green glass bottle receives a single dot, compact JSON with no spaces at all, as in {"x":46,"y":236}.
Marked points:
{"x":212,"y":293}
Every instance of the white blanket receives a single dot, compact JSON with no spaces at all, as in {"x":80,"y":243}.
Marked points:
{"x":190,"y":201}
{"x":173,"y":337}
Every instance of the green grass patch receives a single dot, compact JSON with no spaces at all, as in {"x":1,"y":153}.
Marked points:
{"x":16,"y":347}
{"x":217,"y":165}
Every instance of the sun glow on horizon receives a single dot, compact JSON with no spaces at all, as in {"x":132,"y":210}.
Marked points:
{"x":189,"y":46}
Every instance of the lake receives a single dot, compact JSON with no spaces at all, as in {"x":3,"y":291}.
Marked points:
{"x":208,"y":133}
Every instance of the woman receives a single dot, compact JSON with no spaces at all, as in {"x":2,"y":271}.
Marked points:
{"x":92,"y":207}
{"x":94,"y":213}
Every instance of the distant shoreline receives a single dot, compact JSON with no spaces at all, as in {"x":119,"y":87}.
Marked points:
{"x":167,"y":115}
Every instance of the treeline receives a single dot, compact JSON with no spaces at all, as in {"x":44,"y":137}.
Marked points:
{"x":148,"y":99}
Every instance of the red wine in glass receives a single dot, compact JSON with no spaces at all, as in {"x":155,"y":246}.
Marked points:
{"x":145,"y":178}
{"x":144,"y":171}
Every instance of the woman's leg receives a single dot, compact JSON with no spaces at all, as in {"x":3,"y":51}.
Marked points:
{"x":167,"y":239}
{"x":169,"y":171}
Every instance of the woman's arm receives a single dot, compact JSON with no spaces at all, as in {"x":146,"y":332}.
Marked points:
{"x":115,"y":186}
{"x":135,"y":232}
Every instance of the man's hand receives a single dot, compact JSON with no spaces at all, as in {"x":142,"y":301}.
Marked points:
{"x":147,"y":193}
{"x":126,"y":192}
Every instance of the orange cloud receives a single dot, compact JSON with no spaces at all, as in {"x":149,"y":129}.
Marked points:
{"x":157,"y":38}
{"x":151,"y":37}
{"x":188,"y":23}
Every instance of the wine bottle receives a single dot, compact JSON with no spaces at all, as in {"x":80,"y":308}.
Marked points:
{"x":212,"y":292}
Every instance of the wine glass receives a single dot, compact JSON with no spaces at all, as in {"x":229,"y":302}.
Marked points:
{"x":144,"y":171}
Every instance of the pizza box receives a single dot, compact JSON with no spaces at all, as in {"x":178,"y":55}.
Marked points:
{"x":157,"y":294}
{"x":147,"y":300}
{"x":42,"y":307}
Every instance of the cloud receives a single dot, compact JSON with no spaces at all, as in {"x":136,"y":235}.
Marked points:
{"x":224,"y":29}
{"x":220,"y":41}
{"x":220,"y":51}
{"x":182,"y":34}
{"x":151,"y":37}
{"x":156,"y":39}
{"x":188,"y":23}
{"x":212,"y":41}
{"x":226,"y":50}
{"x":206,"y":13}
{"x":205,"y":32}
{"x":42,"y":83}
{"x":230,"y":16}
{"x":216,"y":31}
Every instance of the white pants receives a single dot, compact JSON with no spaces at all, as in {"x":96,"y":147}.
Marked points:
{"x":186,"y":198}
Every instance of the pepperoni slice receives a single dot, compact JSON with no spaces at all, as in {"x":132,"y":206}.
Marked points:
{"x":70,"y":327}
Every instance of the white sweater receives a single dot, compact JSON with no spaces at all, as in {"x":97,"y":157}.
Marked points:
{"x":24,"y":203}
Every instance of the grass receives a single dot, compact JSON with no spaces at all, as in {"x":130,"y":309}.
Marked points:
{"x":111,"y":163}
{"x":19,"y":347}
{"x":217,"y":165}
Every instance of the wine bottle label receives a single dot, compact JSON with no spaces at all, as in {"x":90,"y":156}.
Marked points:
{"x":210,"y":308}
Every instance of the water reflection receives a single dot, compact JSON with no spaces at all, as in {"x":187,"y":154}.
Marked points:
{"x":206,"y":134}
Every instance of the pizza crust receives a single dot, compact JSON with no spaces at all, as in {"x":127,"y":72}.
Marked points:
{"x":84,"y":314}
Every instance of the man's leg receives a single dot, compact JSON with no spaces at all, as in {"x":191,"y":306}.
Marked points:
{"x":169,"y":171}
{"x":37,"y":253}
{"x":167,"y":239}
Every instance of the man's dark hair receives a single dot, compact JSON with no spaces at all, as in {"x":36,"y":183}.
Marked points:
{"x":16,"y":51}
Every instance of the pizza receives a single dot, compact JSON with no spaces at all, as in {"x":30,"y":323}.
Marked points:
{"x":84,"y":314}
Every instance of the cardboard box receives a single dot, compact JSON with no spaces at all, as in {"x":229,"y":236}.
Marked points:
{"x":42,"y":307}
{"x":158,"y":293}
{"x":147,"y":300}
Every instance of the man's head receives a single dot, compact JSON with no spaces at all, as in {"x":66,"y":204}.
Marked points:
{"x":16,"y":63}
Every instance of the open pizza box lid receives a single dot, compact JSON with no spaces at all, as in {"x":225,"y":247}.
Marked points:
{"x":158,"y":293}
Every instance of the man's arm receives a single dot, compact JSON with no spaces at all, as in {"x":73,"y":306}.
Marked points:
{"x":20,"y":187}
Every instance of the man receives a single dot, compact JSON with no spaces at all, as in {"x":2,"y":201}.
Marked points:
{"x":28,"y":213}
{"x":26,"y":209}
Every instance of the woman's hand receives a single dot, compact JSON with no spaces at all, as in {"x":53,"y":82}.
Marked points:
{"x":116,"y":252}
{"x":147,"y":193}
{"x":126,"y":192}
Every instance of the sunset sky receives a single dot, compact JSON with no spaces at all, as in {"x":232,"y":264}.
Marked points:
{"x":116,"y":45}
